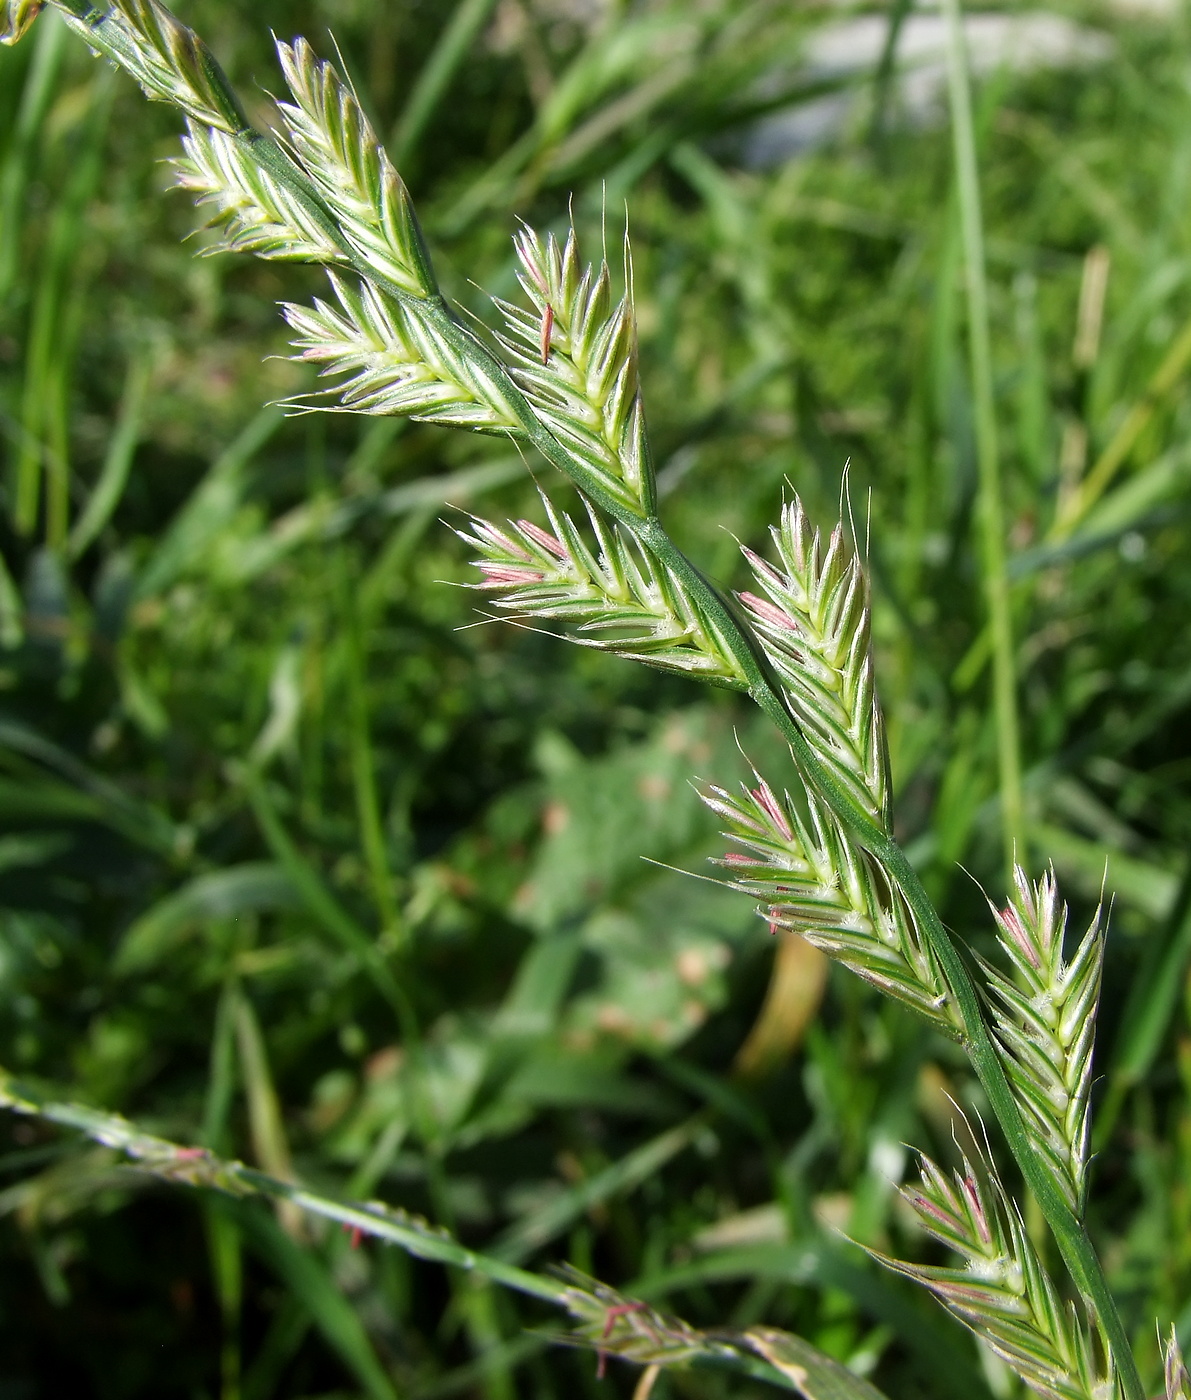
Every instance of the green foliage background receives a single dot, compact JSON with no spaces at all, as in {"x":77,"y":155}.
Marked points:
{"x":257,"y":766}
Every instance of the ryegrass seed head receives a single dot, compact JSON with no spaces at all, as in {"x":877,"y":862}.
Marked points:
{"x":1044,"y":1017}
{"x":169,"y":60}
{"x":391,"y":360}
{"x":257,"y":212}
{"x":1002,"y":1291}
{"x":334,"y":143}
{"x":809,"y":876}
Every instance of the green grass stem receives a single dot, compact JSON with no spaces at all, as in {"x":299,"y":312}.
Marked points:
{"x":990,"y":503}
{"x":368,"y":807}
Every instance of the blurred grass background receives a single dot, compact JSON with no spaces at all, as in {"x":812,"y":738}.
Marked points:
{"x":296,"y":862}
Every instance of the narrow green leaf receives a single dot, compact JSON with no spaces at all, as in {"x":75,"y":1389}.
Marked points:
{"x":813,"y":1375}
{"x":305,"y":1274}
{"x":221,"y":894}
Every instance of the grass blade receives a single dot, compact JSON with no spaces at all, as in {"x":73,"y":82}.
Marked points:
{"x":308,"y":1280}
{"x":117,"y":462}
{"x":991,"y":509}
{"x":219,"y":894}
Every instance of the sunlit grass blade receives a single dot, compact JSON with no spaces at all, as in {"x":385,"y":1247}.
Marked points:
{"x":991,"y":502}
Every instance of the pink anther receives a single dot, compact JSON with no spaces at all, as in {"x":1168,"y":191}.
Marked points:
{"x":615,"y":1312}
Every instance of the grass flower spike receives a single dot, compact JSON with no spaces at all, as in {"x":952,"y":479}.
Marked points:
{"x":15,"y":18}
{"x":1045,"y":1019}
{"x":620,"y":599}
{"x":258,"y":212}
{"x":395,"y":361}
{"x":810,"y":877}
{"x":333,"y":142}
{"x":1178,"y":1382}
{"x":170,"y":61}
{"x":575,"y":355}
{"x":563,"y":377}
{"x":814,"y":626}
{"x":1002,"y":1292}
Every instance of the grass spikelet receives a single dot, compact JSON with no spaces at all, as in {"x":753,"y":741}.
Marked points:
{"x":814,"y":626}
{"x":810,"y":877}
{"x":256,"y":211}
{"x":1178,"y":1382}
{"x":616,"y":1326}
{"x":335,"y":144}
{"x":1003,"y":1292}
{"x":575,"y":356}
{"x":395,"y":362}
{"x":618,"y":598}
{"x":169,"y":60}
{"x":1045,"y":1018}
{"x":15,"y":18}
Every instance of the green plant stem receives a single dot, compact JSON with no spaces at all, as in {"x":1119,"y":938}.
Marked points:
{"x":368,"y":808}
{"x":1073,"y":1241}
{"x":991,"y":508}
{"x":200,"y":1168}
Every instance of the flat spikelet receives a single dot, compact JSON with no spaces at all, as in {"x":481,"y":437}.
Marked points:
{"x":814,"y":627}
{"x":1044,"y":1017}
{"x":618,"y":597}
{"x":1178,"y":1382}
{"x":575,"y":356}
{"x":257,"y":212}
{"x":170,"y":61}
{"x":333,"y":142}
{"x":1002,"y":1292}
{"x":15,"y":18}
{"x":394,"y":361}
{"x":811,"y":877}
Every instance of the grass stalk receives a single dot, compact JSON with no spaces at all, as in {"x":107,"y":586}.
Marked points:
{"x":38,"y":91}
{"x":990,"y":504}
{"x":223,"y":1235}
{"x":117,"y":463}
{"x":1166,"y":378}
{"x":762,"y":1353}
{"x":368,"y":807}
